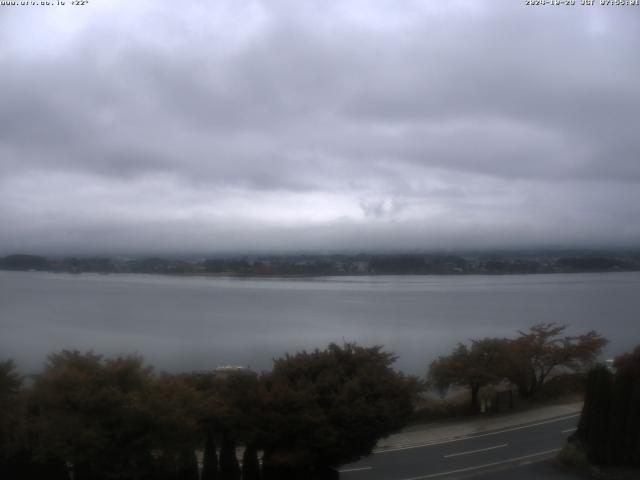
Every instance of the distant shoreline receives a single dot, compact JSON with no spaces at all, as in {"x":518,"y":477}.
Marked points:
{"x":324,"y":265}
{"x":309,"y":276}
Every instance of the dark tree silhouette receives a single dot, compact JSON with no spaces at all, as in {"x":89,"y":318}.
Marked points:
{"x":229,"y":467}
{"x":250,"y":464}
{"x":593,"y":427}
{"x":329,"y":407}
{"x":187,"y":465}
{"x":625,"y":421}
{"x":210,"y":458}
{"x":609,"y":427}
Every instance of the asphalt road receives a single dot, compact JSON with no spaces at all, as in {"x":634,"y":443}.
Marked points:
{"x":521,"y":452}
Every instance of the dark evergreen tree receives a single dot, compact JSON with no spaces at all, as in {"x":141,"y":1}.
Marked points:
{"x":609,"y":428}
{"x":187,"y":465}
{"x":165,"y":467}
{"x":250,"y":464}
{"x":624,"y":445}
{"x":594,"y":426}
{"x":13,"y":455}
{"x":210,"y":459}
{"x":229,"y":467}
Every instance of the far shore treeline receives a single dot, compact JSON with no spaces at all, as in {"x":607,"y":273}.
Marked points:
{"x":505,"y":262}
{"x":98,"y":418}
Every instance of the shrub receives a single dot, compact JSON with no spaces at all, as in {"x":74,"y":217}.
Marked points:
{"x":574,"y":457}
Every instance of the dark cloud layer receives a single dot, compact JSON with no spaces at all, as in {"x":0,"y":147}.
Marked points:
{"x":317,"y":125}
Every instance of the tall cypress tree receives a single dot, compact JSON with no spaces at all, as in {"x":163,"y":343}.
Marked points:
{"x":187,"y":464}
{"x":210,"y":460}
{"x":229,"y":468}
{"x":617,"y":448}
{"x":594,"y":425}
{"x":250,"y":464}
{"x":624,"y":446}
{"x":164,"y":467}
{"x":634,"y":424}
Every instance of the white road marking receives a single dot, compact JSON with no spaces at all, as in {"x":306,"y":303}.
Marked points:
{"x":475,"y":451}
{"x":486,"y":465}
{"x":347,"y":470}
{"x":470,"y":437}
{"x":570,"y":430}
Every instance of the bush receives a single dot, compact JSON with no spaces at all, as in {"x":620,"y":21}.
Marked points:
{"x":563,"y":386}
{"x":432,"y":409}
{"x":574,"y":457}
{"x":329,"y":407}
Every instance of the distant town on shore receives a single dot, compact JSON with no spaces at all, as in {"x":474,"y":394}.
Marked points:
{"x":521,"y":262}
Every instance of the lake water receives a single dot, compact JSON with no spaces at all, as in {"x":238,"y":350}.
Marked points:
{"x":198,"y":323}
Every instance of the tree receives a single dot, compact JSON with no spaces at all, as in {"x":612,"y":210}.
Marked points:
{"x":543,"y":349}
{"x":91,"y":413}
{"x":250,"y":464}
{"x":174,"y":408}
{"x":624,"y":442}
{"x":234,"y":408}
{"x":206,"y":386}
{"x":10,"y":387}
{"x":229,"y":467}
{"x":18,"y":458}
{"x":593,"y":427}
{"x":609,"y":427}
{"x":485,"y":362}
{"x":210,"y":458}
{"x":329,"y":407}
{"x":187,"y":464}
{"x":11,"y":425}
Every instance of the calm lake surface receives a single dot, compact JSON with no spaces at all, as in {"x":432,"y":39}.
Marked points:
{"x":197,"y":323}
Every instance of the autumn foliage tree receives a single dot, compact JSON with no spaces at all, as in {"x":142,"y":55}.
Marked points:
{"x":545,"y":349}
{"x":91,"y":414}
{"x":482,"y":363}
{"x":527,"y":361}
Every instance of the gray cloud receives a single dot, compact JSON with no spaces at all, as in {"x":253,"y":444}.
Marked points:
{"x":275,"y":125}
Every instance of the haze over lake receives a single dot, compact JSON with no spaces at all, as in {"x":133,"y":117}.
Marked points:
{"x":180,"y":323}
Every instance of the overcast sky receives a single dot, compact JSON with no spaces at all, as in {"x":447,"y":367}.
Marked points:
{"x":211,"y":126}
